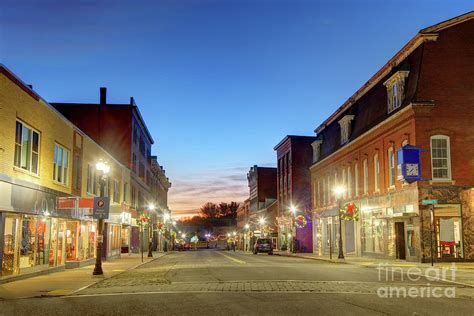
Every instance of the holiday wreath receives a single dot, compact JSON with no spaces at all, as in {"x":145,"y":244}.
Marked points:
{"x":301,"y":221}
{"x":350,"y":212}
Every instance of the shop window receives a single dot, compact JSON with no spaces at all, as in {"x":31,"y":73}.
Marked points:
{"x":27,"y":145}
{"x":440,"y":157}
{"x":61,"y":164}
{"x":448,"y":231}
{"x":10,"y":245}
{"x":373,"y":233}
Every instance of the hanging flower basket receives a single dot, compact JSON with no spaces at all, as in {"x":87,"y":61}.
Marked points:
{"x":349,"y":212}
{"x":301,"y":221}
{"x":144,"y":219}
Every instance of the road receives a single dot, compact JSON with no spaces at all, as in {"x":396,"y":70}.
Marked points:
{"x":211,"y":282}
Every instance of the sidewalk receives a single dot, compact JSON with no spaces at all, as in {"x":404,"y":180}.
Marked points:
{"x":463,"y":271}
{"x":71,"y":280}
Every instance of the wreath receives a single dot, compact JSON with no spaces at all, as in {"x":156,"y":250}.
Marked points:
{"x":349,"y":212}
{"x":144,"y":219}
{"x":161,"y":227}
{"x":301,"y":221}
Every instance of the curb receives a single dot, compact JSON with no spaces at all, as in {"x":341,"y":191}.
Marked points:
{"x":113,"y":276}
{"x":316,"y":259}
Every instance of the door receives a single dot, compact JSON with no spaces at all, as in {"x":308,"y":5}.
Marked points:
{"x":400,"y":240}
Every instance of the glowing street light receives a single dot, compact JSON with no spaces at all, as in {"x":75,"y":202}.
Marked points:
{"x":293,"y":209}
{"x":261,"y":220}
{"x":247,"y":226}
{"x":234,"y":233}
{"x":228,"y":235}
{"x":339,"y":190}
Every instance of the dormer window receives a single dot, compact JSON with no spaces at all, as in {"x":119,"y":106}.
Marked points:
{"x":395,"y":90}
{"x":316,"y":150}
{"x":345,"y":124}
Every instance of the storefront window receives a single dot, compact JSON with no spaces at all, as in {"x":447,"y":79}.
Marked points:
{"x":10,"y":256}
{"x":449,"y":231}
{"x":44,"y":227}
{"x":27,"y":242}
{"x":114,"y":240}
{"x":373,"y":233}
{"x":72,"y":240}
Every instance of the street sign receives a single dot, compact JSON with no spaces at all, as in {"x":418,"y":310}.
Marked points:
{"x":101,"y":208}
{"x":429,"y":202}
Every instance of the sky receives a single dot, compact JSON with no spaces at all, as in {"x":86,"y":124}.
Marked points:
{"x":219,"y":83}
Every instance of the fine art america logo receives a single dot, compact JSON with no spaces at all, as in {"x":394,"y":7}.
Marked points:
{"x":420,"y":277}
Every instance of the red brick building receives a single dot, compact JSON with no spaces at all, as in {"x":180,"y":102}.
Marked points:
{"x":294,"y":156}
{"x":423,"y":96}
{"x":262,"y":183}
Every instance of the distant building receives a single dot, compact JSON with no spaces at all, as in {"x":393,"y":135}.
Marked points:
{"x":263,"y":201}
{"x":295,"y":156}
{"x":423,"y":96}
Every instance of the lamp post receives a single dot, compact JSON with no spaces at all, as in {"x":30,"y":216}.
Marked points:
{"x":104,"y":169}
{"x":339,"y":190}
{"x":151,"y":207}
{"x":293,"y":228}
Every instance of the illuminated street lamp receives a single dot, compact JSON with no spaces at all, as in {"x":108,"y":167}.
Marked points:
{"x":104,"y":169}
{"x":234,"y":233}
{"x":339,"y":190}
{"x":247,"y":226}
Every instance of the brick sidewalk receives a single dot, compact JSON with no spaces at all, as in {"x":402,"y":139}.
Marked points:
{"x":72,"y":280}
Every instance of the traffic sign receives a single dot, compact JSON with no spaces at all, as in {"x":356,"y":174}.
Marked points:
{"x":101,"y":208}
{"x":429,"y":202}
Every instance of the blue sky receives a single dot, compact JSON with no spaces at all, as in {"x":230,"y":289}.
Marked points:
{"x":219,"y":83}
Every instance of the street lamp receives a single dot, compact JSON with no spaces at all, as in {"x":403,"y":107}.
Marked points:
{"x":339,"y":190}
{"x":151,"y":207}
{"x":104,"y":169}
{"x":247,"y":226}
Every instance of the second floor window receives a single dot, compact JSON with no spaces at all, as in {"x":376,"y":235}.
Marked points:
{"x":391,"y":167}
{"x":116,"y":191}
{"x":27,"y":144}
{"x":125,"y":192}
{"x":366,"y":176}
{"x":440,"y":158}
{"x":61,"y":164}
{"x":356,"y":179}
{"x":377,"y":173}
{"x":91,"y":183}
{"x":349,"y":182}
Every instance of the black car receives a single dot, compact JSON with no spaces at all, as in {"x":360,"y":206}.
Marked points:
{"x":263,"y":245}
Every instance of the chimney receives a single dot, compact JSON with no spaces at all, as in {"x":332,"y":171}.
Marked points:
{"x":132,"y":101}
{"x":103,"y":96}
{"x":30,"y":86}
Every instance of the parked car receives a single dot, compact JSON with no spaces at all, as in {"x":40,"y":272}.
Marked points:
{"x":263,"y":245}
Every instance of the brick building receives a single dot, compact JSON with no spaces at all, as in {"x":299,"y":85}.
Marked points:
{"x":294,"y":157}
{"x":121,"y":130}
{"x":262,"y":201}
{"x":422,"y":96}
{"x":47,"y":179}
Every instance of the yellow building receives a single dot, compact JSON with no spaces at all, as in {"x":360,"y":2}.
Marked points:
{"x":47,"y":179}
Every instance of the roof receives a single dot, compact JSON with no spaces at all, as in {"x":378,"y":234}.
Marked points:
{"x":423,"y":35}
{"x":290,"y":137}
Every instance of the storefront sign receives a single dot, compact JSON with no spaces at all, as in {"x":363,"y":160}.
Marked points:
{"x":429,"y":202}
{"x":409,"y":167}
{"x":101,"y":207}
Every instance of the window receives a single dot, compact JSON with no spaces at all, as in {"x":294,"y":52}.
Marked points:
{"x":319,"y":195}
{"x":328,"y":190}
{"x":391,"y":167}
{"x":440,"y":158}
{"x":116,"y":191}
{"x":344,"y":183}
{"x":61,"y":164}
{"x":377,"y":173}
{"x":349,"y":182}
{"x":345,"y":124}
{"x":134,"y":163}
{"x":133,"y":197}
{"x":356,"y":178}
{"x":91,"y":183}
{"x":395,"y":90}
{"x":76,"y":172}
{"x":125,"y":192}
{"x":27,"y":142}
{"x":324,"y":192}
{"x":366,"y":176}
{"x":316,"y":150}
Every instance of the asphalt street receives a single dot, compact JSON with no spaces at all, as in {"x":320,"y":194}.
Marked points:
{"x":212,"y":282}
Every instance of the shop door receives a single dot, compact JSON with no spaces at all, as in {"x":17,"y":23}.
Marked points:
{"x":400,"y":240}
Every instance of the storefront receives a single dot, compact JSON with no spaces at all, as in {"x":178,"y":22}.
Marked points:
{"x":448,"y":231}
{"x":36,"y":236}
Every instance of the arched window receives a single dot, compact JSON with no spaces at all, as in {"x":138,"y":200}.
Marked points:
{"x":440,"y":157}
{"x":377,"y":173}
{"x":391,"y":167}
